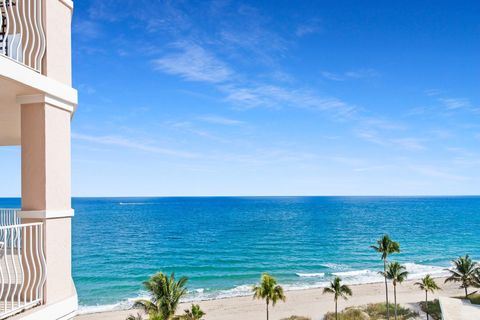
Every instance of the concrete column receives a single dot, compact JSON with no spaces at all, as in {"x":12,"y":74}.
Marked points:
{"x":46,"y":190}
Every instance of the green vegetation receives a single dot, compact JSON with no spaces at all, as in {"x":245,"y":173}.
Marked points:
{"x":348,"y":314}
{"x":465,"y":272}
{"x":296,"y":318}
{"x":137,"y":317}
{"x":386,"y":246}
{"x":433,"y":308}
{"x":427,"y":284}
{"x":268,"y":290}
{"x":474,"y":298}
{"x":377,"y":311}
{"x":339,"y":290}
{"x":195,"y":313}
{"x":166,"y":294}
{"x":397,"y":273}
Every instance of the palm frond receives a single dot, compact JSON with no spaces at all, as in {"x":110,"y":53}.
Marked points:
{"x":146,"y":305}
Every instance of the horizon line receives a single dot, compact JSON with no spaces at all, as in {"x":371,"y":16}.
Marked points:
{"x":275,"y":196}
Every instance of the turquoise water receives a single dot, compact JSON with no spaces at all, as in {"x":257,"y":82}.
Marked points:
{"x":224,"y":244}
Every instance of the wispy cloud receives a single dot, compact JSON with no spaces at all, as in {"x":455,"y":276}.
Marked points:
{"x":310,"y":27}
{"x":433,"y":92}
{"x":455,"y":103}
{"x":442,"y":133}
{"x":194,"y":63}
{"x":220,"y":120}
{"x":86,"y":88}
{"x":374,"y":136}
{"x":371,"y":136}
{"x":86,"y":29}
{"x":433,"y":172}
{"x":243,"y":33}
{"x":373,"y":168}
{"x":131,"y":144}
{"x":410,"y":143}
{"x":189,"y":127}
{"x":278,"y":97}
{"x":350,"y":75}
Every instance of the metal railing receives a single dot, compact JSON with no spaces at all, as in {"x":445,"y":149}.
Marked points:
{"x":22,"y":267}
{"x":9,"y":217}
{"x":22,"y":35}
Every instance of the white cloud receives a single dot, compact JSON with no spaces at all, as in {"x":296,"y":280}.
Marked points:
{"x":86,"y":29}
{"x":434,"y":172}
{"x":132,"y":144}
{"x":350,"y":75}
{"x":432,"y":92}
{"x":277,"y":97}
{"x":309,"y":27}
{"x":410,"y":143}
{"x":194,"y":63}
{"x":333,"y":76}
{"x":373,"y":168}
{"x":370,"y":136}
{"x":220,"y":120}
{"x":86,"y":88}
{"x":455,"y":103}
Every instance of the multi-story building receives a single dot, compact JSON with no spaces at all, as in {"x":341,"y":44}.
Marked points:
{"x":37,"y":103}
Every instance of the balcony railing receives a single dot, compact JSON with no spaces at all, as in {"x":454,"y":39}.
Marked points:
{"x":22,"y":264}
{"x":9,"y":217}
{"x":22,"y":35}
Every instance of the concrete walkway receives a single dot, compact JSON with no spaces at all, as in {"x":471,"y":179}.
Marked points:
{"x":458,"y":309}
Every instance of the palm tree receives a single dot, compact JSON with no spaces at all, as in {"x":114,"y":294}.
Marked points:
{"x":339,"y":290}
{"x":427,"y":284}
{"x":397,"y":273}
{"x":464,"y":272}
{"x":386,"y":246}
{"x":166,"y":294}
{"x":195,"y":313}
{"x":477,"y":278}
{"x":268,"y":290}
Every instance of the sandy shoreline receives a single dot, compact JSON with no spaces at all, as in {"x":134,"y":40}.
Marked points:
{"x":310,"y":302}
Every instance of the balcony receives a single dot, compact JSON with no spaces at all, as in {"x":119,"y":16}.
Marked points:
{"x":22,"y":33}
{"x":22,"y":264}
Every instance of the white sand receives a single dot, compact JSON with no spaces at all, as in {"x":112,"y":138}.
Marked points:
{"x":311,"y":303}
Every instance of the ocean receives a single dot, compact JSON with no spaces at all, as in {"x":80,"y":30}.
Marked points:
{"x":223,"y":244}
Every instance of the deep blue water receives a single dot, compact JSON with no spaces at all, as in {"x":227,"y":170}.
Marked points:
{"x":224,"y":244}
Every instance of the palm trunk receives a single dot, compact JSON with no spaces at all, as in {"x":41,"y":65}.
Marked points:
{"x":336,"y":310}
{"x":426,"y":302}
{"x":267,"y":309}
{"x":466,"y":292}
{"x":386,"y":287}
{"x":395,"y":299}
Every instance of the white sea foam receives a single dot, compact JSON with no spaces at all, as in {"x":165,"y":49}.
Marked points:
{"x":124,"y":305}
{"x":311,"y":275}
{"x":359,"y":276}
{"x":335,"y":266}
{"x":417,"y":271}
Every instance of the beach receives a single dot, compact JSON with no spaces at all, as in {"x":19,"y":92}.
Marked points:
{"x":311,"y":303}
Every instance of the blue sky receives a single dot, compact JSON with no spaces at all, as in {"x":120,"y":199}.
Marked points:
{"x":274,"y":98}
